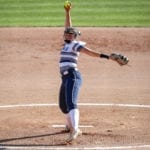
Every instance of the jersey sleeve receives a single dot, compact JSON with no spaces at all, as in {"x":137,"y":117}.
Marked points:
{"x":80,"y":46}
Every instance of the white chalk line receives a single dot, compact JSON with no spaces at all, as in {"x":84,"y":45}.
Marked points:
{"x":75,"y":148}
{"x":80,"y":126}
{"x":80,"y":104}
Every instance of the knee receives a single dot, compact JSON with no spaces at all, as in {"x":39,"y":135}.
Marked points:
{"x":74,"y":106}
{"x":63,"y":109}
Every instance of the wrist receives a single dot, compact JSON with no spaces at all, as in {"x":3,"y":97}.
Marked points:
{"x":104,"y":56}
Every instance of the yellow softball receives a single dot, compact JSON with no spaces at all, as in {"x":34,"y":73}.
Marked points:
{"x":67,"y":4}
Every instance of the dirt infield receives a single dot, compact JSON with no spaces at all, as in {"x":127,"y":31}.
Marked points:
{"x":29,"y":74}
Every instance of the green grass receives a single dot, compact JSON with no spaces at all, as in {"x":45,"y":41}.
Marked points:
{"x":84,"y":13}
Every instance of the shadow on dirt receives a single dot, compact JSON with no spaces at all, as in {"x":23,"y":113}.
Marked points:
{"x":4,"y":141}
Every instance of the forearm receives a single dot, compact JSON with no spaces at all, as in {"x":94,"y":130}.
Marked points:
{"x":93,"y":53}
{"x":68,"y":22}
{"x":90,"y":52}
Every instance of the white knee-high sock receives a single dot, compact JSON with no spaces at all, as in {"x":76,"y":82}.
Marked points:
{"x":74,"y":116}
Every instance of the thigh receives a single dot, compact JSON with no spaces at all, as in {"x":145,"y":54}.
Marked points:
{"x":72,"y":90}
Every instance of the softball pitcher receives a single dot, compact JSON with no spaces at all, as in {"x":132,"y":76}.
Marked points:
{"x":71,"y":77}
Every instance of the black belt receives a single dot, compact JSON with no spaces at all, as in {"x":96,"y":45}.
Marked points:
{"x":67,"y":71}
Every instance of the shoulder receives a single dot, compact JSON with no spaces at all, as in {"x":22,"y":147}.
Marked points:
{"x":80,"y":43}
